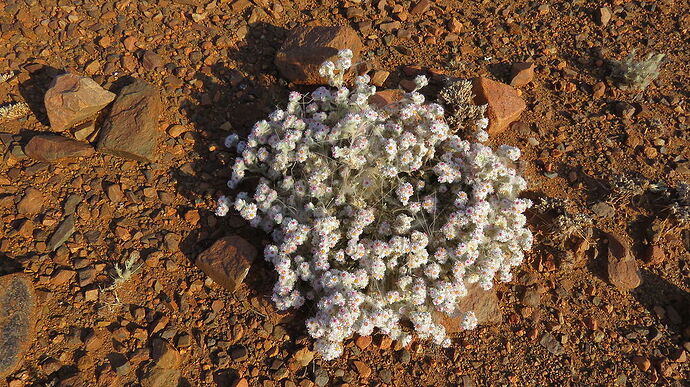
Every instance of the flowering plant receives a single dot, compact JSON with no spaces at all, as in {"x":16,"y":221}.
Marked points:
{"x":378,"y":214}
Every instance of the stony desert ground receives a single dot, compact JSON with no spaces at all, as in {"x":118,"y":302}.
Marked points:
{"x":111,"y":171}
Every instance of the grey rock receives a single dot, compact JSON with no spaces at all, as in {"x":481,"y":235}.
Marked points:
{"x":131,"y":129}
{"x":71,"y":203}
{"x":63,"y":232}
{"x":604,"y":210}
{"x":549,"y":342}
{"x":17,"y":303}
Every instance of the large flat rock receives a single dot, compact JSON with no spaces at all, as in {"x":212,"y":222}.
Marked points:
{"x":131,"y":129}
{"x":17,"y":304}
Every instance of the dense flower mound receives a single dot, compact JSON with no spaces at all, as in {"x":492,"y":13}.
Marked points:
{"x":378,"y":214}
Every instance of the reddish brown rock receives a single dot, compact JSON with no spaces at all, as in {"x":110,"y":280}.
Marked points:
{"x":484,"y":304}
{"x":165,"y":355}
{"x":131,"y":129}
{"x":31,"y":202}
{"x":17,"y":304}
{"x":227,"y":261}
{"x":654,"y":255}
{"x":421,"y":7}
{"x":504,"y":104}
{"x":621,"y":266}
{"x":306,"y":48}
{"x":49,"y":147}
{"x":72,"y":99}
{"x":386,"y":97}
{"x":521,"y":74}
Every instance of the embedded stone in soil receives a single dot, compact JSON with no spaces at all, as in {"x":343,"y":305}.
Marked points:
{"x":227,"y":261}
{"x":52,"y":148}
{"x":17,"y":303}
{"x":131,"y":129}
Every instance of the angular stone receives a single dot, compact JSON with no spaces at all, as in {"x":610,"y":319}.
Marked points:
{"x":504,"y":104}
{"x":484,"y":304}
{"x":521,"y":74}
{"x":165,"y":355}
{"x":63,"y":232}
{"x":603,"y":15}
{"x":621,"y":266}
{"x":72,"y":99}
{"x":31,"y":202}
{"x":307,"y":47}
{"x":49,"y":147}
{"x":161,"y":377}
{"x":151,"y":60}
{"x":386,"y":97}
{"x":227,"y":261}
{"x":131,"y":128}
{"x":17,"y":303}
{"x":551,"y":344}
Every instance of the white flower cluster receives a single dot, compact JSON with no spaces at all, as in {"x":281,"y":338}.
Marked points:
{"x":378,"y":214}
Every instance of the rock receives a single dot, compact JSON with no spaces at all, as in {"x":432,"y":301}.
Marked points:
{"x":165,"y":355}
{"x":307,"y":47}
{"x":17,"y":303}
{"x":386,"y":97}
{"x":63,"y":232}
{"x":362,"y":368}
{"x":239,"y":353}
{"x":131,"y":128}
{"x":241,"y":383}
{"x":151,"y":60}
{"x":484,"y":304}
{"x":48,"y":147}
{"x":114,"y":193}
{"x":421,"y":7}
{"x":304,"y":356}
{"x":161,"y":377}
{"x":603,"y":15}
{"x":504,"y":104}
{"x":654,"y":255}
{"x":598,"y":90}
{"x":679,"y":356}
{"x":227,"y":261}
{"x":621,"y":266}
{"x":642,"y":363}
{"x":603,"y":210}
{"x":521,"y":74}
{"x":86,"y":131}
{"x":31,"y":203}
{"x":378,"y":78}
{"x":531,"y":297}
{"x":549,"y":342}
{"x":184,"y":341}
{"x":623,"y":110}
{"x":363,"y":342}
{"x":72,"y":99}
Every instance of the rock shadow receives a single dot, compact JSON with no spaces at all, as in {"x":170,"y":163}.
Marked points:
{"x":34,"y":89}
{"x":655,"y":291}
{"x":234,"y":94}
